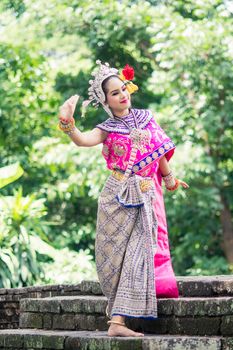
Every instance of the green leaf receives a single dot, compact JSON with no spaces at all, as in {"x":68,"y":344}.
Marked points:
{"x":10,"y":173}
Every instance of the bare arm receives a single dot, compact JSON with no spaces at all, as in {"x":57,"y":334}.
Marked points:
{"x":88,"y":138}
{"x":164,"y":166}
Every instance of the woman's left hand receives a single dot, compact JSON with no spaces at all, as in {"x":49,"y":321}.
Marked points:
{"x":183,"y":184}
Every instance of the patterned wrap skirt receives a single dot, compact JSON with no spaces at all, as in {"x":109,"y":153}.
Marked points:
{"x":125,"y":246}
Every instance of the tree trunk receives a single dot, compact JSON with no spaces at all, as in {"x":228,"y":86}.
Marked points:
{"x":227,"y":226}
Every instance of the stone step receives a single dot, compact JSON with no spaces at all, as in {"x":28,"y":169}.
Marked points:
{"x":191,"y":316}
{"x":189,"y":286}
{"x":98,"y":340}
{"x":198,"y":286}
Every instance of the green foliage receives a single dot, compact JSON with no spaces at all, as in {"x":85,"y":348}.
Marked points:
{"x":21,"y":219}
{"x":196,"y":10}
{"x":73,"y":267}
{"x":17,"y":6}
{"x":24,"y":106}
{"x":197,"y":79}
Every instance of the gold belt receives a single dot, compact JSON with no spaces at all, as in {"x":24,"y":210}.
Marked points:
{"x":144,"y":184}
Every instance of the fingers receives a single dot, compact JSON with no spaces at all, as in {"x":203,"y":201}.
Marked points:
{"x":73,"y":100}
{"x":184,"y":184}
{"x":66,"y":111}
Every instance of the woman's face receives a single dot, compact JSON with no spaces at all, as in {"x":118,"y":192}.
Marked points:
{"x":117,"y":96}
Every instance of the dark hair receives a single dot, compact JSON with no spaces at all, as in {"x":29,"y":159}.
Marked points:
{"x":104,"y":84}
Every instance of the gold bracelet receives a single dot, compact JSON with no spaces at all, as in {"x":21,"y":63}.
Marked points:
{"x":177,"y":183}
{"x":71,"y":131}
{"x":67,"y":127}
{"x":169,"y":180}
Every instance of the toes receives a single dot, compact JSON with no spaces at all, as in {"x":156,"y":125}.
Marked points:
{"x":123,"y":332}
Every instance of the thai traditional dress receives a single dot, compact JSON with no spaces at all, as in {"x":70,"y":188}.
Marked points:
{"x":132,"y":248}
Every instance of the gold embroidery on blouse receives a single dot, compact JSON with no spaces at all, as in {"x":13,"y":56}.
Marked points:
{"x":118,"y":149}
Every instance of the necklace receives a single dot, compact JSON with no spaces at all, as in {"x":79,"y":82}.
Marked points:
{"x":139,"y":138}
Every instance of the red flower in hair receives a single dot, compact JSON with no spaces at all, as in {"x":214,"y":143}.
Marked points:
{"x":128,"y":72}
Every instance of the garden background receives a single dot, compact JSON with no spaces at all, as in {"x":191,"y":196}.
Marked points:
{"x":182,"y":54}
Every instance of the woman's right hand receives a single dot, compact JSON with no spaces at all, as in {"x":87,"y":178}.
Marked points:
{"x":66,"y":111}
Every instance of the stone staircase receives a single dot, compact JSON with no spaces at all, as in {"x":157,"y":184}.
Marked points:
{"x":202,"y":318}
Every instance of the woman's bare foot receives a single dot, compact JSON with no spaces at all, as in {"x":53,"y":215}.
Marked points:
{"x":122,"y":331}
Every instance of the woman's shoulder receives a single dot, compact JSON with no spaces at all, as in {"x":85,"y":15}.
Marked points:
{"x":105,"y":124}
{"x":144,"y":116}
{"x":112,"y":126}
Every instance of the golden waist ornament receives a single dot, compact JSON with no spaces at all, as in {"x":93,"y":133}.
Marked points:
{"x":145,"y":184}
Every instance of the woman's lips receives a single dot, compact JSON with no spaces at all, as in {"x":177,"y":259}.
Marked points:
{"x":124,"y":101}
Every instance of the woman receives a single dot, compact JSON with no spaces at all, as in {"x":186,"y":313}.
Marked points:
{"x":132,"y":251}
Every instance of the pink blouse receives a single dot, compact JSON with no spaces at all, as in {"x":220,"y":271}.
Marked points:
{"x":117,"y":147}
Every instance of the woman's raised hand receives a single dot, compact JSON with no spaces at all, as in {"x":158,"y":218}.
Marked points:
{"x":66,"y":111}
